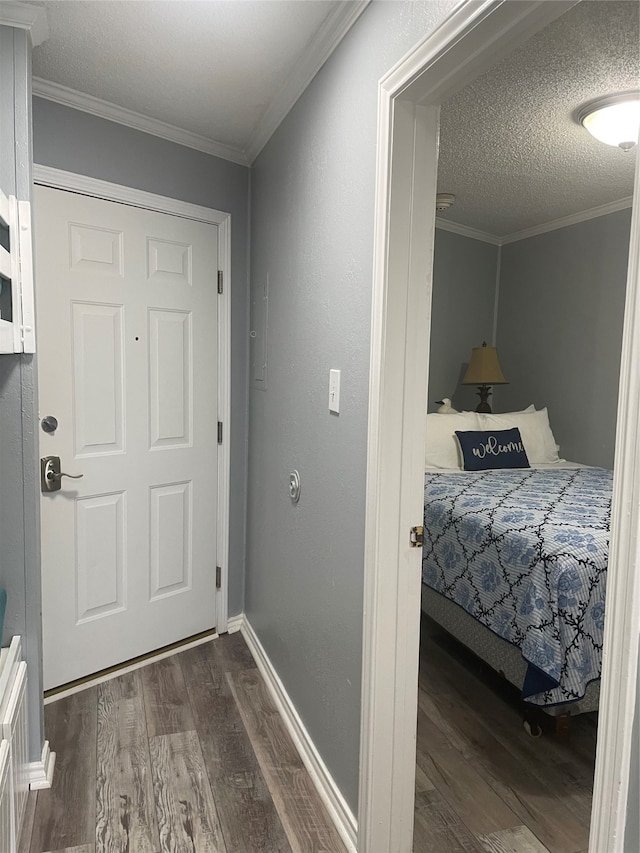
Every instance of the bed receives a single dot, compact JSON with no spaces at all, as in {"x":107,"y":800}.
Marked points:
{"x":514,"y":565}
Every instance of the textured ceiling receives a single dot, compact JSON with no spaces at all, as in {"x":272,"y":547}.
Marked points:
{"x":211,"y":68}
{"x":511,"y":149}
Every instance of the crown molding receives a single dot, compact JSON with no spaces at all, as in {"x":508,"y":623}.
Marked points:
{"x":553,"y":225}
{"x":467,"y":231}
{"x":112,"y":112}
{"x":24,"y":16}
{"x":566,"y":221}
{"x":328,"y":37}
{"x":330,"y":34}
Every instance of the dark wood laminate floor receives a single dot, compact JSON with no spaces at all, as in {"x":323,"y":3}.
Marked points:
{"x":190,"y":754}
{"x":483,"y":785}
{"x":186,"y":755}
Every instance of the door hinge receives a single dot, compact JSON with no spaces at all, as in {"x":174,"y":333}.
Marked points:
{"x":218,"y":577}
{"x":416,"y":537}
{"x":219,"y":432}
{"x":220,"y":281}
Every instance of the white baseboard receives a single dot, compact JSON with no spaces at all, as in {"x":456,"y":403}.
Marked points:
{"x":341,"y":815}
{"x":234,"y":623}
{"x":40,"y":773}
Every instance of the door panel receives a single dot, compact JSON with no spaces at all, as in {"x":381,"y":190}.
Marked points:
{"x":98,"y":380}
{"x":100,"y":555}
{"x":170,"y":545}
{"x":170,"y":368}
{"x":127,"y":337}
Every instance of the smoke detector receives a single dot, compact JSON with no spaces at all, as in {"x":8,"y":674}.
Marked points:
{"x":444,"y":201}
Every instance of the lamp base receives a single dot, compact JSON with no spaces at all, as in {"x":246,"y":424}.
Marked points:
{"x":484,"y":393}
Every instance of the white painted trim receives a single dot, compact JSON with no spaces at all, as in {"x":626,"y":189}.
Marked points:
{"x":543,"y":228}
{"x":224,"y":415}
{"x":60,"y":179}
{"x":339,"y":811}
{"x":392,"y":598}
{"x":235,"y":623}
{"x":467,"y":231}
{"x":333,"y":30}
{"x":475,"y":36}
{"x":40,"y":773}
{"x":27,"y":295}
{"x":129,"y":118}
{"x":24,"y":16}
{"x":622,"y":613}
{"x":566,"y":221}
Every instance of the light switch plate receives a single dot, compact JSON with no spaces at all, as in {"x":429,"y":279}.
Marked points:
{"x":334,"y":391}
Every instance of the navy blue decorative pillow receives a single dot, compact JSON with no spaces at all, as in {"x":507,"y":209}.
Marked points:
{"x":492,"y":449}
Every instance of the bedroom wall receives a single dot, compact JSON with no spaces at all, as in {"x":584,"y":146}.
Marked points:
{"x":560,"y":314}
{"x":462,"y":313}
{"x":78,"y":142}
{"x":312,"y":228}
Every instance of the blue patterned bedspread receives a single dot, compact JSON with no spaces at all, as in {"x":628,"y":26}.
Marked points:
{"x":525,"y":552}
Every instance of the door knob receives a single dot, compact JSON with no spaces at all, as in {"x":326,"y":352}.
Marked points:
{"x":51,"y":475}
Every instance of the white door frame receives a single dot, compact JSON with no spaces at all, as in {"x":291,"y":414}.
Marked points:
{"x":475,"y":36}
{"x":59,"y":179}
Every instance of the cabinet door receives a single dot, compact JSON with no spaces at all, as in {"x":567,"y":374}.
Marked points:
{"x":15,"y":732}
{"x":7,"y":834}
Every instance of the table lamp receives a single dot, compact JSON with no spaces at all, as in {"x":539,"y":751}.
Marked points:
{"x":484,"y":370}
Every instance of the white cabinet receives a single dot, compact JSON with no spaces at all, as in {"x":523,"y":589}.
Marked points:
{"x":14,"y":750}
{"x":17,"y":324}
{"x":6,"y":799}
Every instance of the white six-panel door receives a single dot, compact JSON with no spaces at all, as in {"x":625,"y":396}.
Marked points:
{"x":127,"y":341}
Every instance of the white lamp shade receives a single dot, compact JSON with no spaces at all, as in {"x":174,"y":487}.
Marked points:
{"x":615,"y":120}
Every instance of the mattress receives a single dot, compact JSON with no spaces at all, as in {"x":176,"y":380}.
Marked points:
{"x":525,"y":553}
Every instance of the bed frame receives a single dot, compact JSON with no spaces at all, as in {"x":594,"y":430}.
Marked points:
{"x":501,"y":656}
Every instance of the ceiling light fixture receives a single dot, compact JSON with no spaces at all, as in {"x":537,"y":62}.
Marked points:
{"x":614,"y":120}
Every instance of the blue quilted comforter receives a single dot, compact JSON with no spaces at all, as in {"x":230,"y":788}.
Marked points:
{"x":525,"y":552}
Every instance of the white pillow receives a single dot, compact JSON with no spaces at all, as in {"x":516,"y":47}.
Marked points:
{"x":534,"y":428}
{"x":441,"y":448}
{"x":530,"y":408}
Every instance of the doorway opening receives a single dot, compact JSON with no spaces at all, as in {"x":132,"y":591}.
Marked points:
{"x":474,"y":38}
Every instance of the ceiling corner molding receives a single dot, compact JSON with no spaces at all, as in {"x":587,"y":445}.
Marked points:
{"x":566,"y":221}
{"x":24,"y":16}
{"x":328,"y":37}
{"x":112,"y":112}
{"x":467,"y":231}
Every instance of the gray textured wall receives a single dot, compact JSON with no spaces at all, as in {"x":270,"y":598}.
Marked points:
{"x":19,"y":499}
{"x":78,"y":142}
{"x":560,"y":316}
{"x":312,"y":233}
{"x":462,"y":313}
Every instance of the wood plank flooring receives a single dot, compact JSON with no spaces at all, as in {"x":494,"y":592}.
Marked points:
{"x":483,"y":784}
{"x":189,"y":755}
{"x":186,"y":755}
